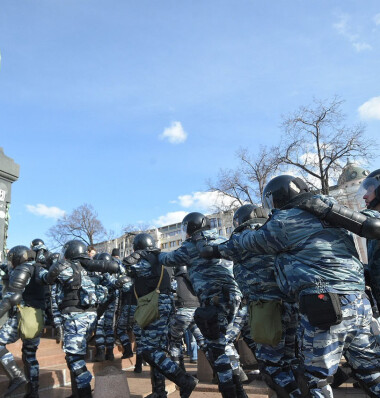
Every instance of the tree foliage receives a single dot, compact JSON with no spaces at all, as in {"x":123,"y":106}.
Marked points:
{"x":245,"y":184}
{"x":316,"y":141}
{"x":82,"y":223}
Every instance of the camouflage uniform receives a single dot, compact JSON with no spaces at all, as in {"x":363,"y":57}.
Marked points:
{"x":215,"y":286}
{"x":153,"y":343}
{"x":79,"y":319}
{"x":9,"y":332}
{"x":373,"y":252}
{"x":255,"y":275}
{"x":313,"y":258}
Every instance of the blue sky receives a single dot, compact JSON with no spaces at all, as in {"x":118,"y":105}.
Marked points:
{"x":131,"y":105}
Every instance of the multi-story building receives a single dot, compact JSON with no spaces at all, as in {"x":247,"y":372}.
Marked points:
{"x":169,"y":237}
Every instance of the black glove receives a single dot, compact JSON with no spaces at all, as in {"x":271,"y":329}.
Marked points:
{"x":209,"y":252}
{"x":316,"y":206}
{"x":58,"y":333}
{"x":132,"y":259}
{"x":121,"y":280}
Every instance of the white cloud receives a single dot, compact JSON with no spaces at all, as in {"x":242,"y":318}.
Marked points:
{"x":361,"y":46}
{"x":175,"y":134}
{"x":170,"y":218}
{"x":344,"y":29}
{"x":45,"y":211}
{"x":370,"y":109}
{"x":205,"y":201}
{"x":376,"y":19}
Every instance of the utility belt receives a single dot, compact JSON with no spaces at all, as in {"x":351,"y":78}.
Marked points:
{"x":79,"y":308}
{"x":186,"y":304}
{"x":322,"y":309}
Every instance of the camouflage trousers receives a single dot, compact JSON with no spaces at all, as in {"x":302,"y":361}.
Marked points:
{"x":221,"y":351}
{"x":182,"y":320}
{"x":77,"y":329}
{"x":278,"y":364}
{"x":320,"y":350}
{"x":154,"y":340}
{"x":104,"y":334}
{"x":126,"y":323}
{"x":9,"y":334}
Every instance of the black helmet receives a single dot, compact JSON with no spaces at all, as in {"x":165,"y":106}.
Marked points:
{"x":180,"y":270}
{"x":281,"y":190}
{"x":249,"y":212}
{"x":104,"y":256}
{"x":143,"y":242}
{"x":371,"y":184}
{"x":194,"y":222}
{"x":36,"y":242}
{"x":74,"y":249}
{"x":20,"y":254}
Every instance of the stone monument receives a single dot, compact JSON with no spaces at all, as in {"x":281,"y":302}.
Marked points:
{"x":9,"y":172}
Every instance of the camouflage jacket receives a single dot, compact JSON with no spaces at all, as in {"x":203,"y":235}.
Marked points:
{"x":311,"y":256}
{"x":209,"y":278}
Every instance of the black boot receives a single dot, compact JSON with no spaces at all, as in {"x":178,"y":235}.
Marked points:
{"x":340,"y":377}
{"x":31,"y":391}
{"x":100,"y":355}
{"x":85,"y":392}
{"x":16,"y":376}
{"x":228,"y":390}
{"x":138,"y":365}
{"x":109,"y":354}
{"x":128,"y":353}
{"x":240,"y":393}
{"x":184,"y":381}
{"x":158,"y":384}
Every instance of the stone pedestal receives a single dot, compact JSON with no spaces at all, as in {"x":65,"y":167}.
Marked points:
{"x":204,"y":373}
{"x":245,"y":353}
{"x":9,"y":172}
{"x":111,"y":383}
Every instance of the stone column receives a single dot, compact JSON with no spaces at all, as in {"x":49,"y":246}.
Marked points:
{"x":9,"y":172}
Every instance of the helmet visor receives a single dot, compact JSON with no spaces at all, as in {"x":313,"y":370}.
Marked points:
{"x":184,"y":231}
{"x":366,"y":192}
{"x":268,"y":200}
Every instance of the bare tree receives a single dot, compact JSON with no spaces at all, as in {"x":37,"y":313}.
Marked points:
{"x":316,"y":141}
{"x":245,"y":184}
{"x":82,"y":223}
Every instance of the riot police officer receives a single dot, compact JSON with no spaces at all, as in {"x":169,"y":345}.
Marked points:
{"x":318,"y":265}
{"x":144,"y":268}
{"x":78,"y":305}
{"x":255,"y":275}
{"x":23,"y":289}
{"x":186,"y":303}
{"x":219,"y":295}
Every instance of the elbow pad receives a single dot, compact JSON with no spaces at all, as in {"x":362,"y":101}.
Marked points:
{"x":354,"y":221}
{"x":20,"y":277}
{"x":9,"y":302}
{"x":100,"y":266}
{"x":54,"y":271}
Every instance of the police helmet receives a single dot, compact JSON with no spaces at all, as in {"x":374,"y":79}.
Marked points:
{"x":20,"y":254}
{"x":249,"y":212}
{"x":371,"y":184}
{"x":104,"y":256}
{"x":36,"y":242}
{"x":143,"y":242}
{"x":281,"y":190}
{"x":194,"y":222}
{"x":74,"y":249}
